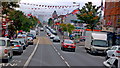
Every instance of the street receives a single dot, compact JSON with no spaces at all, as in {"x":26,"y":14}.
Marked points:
{"x":49,"y":54}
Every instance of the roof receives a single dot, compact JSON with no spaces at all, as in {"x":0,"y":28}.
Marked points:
{"x":99,"y":36}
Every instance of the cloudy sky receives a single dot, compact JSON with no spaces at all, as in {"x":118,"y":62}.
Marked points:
{"x":48,"y":12}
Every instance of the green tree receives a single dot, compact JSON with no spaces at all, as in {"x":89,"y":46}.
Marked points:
{"x":90,"y":15}
{"x":50,"y":21}
{"x":67,"y":27}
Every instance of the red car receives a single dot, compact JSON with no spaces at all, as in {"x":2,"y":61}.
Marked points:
{"x":68,"y":44}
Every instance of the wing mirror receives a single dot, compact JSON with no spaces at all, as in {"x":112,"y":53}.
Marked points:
{"x":22,"y":43}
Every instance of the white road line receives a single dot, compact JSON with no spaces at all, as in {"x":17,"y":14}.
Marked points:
{"x":30,"y":57}
{"x":62,"y":58}
{"x":67,"y":64}
{"x":12,"y":64}
{"x":58,"y":53}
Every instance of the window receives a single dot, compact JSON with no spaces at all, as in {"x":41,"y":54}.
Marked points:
{"x":2,"y":42}
{"x":113,"y":48}
{"x":8,"y":42}
{"x":119,"y":48}
{"x":68,"y":41}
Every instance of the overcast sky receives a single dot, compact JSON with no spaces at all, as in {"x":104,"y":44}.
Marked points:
{"x":55,"y":3}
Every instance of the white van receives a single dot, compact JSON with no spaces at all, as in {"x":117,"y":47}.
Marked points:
{"x":96,"y":42}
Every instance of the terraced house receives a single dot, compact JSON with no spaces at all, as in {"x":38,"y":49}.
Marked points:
{"x":112,"y":14}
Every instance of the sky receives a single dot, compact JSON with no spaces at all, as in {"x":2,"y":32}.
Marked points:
{"x":48,"y":12}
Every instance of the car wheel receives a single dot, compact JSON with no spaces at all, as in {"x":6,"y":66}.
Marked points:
{"x":11,"y":57}
{"x":24,"y":47}
{"x":106,"y":57}
{"x":114,"y":66}
{"x":91,"y":52}
{"x":61,"y":48}
{"x":20,"y":53}
{"x":6,"y":60}
{"x":73,"y":50}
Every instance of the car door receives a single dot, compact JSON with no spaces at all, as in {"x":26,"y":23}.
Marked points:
{"x":9,"y":48}
{"x":111,"y":51}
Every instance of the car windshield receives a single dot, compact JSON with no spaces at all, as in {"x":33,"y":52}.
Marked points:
{"x":56,"y":37}
{"x":30,"y":35}
{"x":14,"y":42}
{"x":2,"y":43}
{"x":119,"y":48}
{"x":68,"y":41}
{"x":99,"y":43}
{"x":20,"y":39}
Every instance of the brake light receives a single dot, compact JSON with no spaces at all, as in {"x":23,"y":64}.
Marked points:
{"x":118,"y":51}
{"x":118,"y":56}
{"x":18,"y":46}
{"x":5,"y":51}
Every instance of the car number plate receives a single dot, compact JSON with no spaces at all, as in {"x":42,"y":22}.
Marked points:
{"x":69,"y":46}
{"x":100,"y":51}
{"x":12,"y":46}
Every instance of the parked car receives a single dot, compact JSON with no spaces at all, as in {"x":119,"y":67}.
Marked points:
{"x":68,"y":44}
{"x":41,"y":29}
{"x":6,"y":52}
{"x":31,"y":35}
{"x":23,"y":42}
{"x":29,"y":40}
{"x":52,"y":36}
{"x":16,"y":46}
{"x":56,"y":39}
{"x":113,"y":51}
{"x":112,"y":62}
{"x":33,"y":32}
{"x":48,"y":32}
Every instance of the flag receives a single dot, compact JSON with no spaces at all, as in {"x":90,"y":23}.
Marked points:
{"x":29,"y":14}
{"x":109,"y":23}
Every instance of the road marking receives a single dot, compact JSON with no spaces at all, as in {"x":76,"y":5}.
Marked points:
{"x":30,"y":57}
{"x":58,"y":53}
{"x":61,"y":56}
{"x":67,"y":64}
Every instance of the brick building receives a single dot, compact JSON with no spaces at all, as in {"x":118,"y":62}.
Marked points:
{"x":112,"y":13}
{"x":0,"y":19}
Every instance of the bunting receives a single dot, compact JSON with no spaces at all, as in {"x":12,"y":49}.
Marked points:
{"x":49,"y":6}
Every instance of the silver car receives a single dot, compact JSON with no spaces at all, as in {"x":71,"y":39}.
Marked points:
{"x":16,"y":46}
{"x":112,"y":62}
{"x":6,"y":52}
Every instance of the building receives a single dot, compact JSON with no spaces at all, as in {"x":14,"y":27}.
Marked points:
{"x":54,"y":15}
{"x":0,"y":19}
{"x":112,"y":14}
{"x":70,"y":17}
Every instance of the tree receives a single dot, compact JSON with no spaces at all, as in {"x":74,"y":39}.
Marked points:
{"x":50,"y":21}
{"x":67,"y":27}
{"x":90,"y":15}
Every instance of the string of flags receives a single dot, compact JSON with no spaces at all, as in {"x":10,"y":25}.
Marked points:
{"x":49,"y":6}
